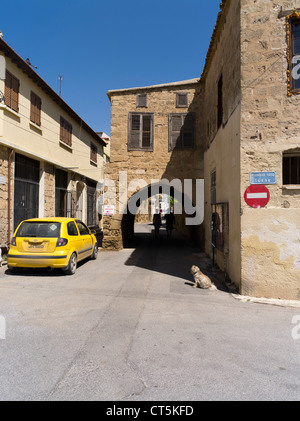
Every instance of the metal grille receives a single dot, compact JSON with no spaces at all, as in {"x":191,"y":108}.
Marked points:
{"x":26,"y":201}
{"x":91,"y":206}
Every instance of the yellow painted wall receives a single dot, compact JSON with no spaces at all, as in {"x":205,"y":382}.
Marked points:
{"x":17,"y":130}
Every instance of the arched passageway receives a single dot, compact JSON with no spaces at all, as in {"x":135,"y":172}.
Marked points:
{"x":187,"y":220}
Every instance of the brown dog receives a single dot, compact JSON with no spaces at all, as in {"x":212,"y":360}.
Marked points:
{"x":201,"y":280}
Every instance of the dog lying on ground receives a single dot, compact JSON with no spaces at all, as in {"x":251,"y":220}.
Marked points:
{"x":201,"y":280}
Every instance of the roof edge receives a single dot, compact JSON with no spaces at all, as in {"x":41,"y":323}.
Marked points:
{"x":162,"y":85}
{"x":224,"y":7}
{"x":27,"y":69}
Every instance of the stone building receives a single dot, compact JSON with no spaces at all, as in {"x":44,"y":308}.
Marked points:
{"x":246,"y":107}
{"x":50,"y":159}
{"x":155,"y":133}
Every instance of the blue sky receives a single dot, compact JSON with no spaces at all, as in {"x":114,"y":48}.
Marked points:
{"x":99,"y":45}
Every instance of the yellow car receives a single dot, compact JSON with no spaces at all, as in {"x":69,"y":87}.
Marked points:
{"x":51,"y":243}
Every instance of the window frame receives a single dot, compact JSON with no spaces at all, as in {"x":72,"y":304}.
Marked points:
{"x":181,"y":144}
{"x":287,"y":166}
{"x":85,"y":231}
{"x":35,"y":109}
{"x":139,"y":102}
{"x":134,"y":147}
{"x":66,"y":130}
{"x":182,"y":94}
{"x":11,"y":82}
{"x":93,"y":153}
{"x":69,"y":231}
{"x":220,"y":100}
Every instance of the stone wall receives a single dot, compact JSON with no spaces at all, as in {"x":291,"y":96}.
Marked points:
{"x":222,"y":153}
{"x":270,"y":125}
{"x":4,"y":155}
{"x":49,"y":190}
{"x":149,"y":166}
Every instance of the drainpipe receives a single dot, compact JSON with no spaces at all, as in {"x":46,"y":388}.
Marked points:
{"x":9,"y":195}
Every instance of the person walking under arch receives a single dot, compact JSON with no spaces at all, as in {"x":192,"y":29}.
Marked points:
{"x":157,"y":223}
{"x":170,"y":220}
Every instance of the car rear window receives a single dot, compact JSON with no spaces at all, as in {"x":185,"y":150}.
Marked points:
{"x":39,"y":229}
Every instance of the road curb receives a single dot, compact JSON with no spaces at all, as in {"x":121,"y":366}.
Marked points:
{"x":272,"y":301}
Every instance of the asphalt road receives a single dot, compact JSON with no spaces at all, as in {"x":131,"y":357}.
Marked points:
{"x":130,"y":327}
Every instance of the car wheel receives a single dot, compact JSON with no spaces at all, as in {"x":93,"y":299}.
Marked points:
{"x":72,"y":265}
{"x":95,"y":252}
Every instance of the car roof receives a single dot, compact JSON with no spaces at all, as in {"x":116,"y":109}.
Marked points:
{"x":51,"y":219}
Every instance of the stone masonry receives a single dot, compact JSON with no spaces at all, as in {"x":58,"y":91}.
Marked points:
{"x":159,"y":164}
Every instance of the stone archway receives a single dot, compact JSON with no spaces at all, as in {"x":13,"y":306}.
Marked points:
{"x":119,"y":228}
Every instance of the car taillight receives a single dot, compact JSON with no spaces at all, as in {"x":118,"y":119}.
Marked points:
{"x":13,"y":241}
{"x":61,"y":242}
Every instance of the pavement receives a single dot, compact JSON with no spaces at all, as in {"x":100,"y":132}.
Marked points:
{"x":215,"y":274}
{"x":130,"y":327}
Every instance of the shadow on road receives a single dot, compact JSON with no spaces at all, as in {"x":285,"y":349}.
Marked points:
{"x":173,"y":256}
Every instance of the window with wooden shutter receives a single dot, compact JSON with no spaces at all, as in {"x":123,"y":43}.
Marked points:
{"x":11,"y":93}
{"x":182,"y":131}
{"x":65,"y":132}
{"x":35,"y":109}
{"x":142,"y":100}
{"x":181,"y":100}
{"x":220,"y":102}
{"x":140,"y":136}
{"x":94,"y":152}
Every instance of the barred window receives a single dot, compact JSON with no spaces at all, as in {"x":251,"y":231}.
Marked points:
{"x":291,"y":168}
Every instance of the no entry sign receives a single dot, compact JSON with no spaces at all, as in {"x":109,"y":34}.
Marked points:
{"x":257,"y":196}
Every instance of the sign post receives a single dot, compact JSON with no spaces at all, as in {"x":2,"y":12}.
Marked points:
{"x":257,"y":196}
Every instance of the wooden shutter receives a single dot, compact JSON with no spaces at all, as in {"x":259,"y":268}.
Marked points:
{"x":220,"y":101}
{"x":142,"y":100}
{"x":146,"y":136}
{"x":134,"y":131}
{"x":140,"y":131}
{"x":182,"y":131}
{"x":181,"y":100}
{"x":38,"y":108}
{"x":35,"y":108}
{"x":175,"y":126}
{"x":15,"y":94}
{"x":188,"y":132}
{"x":11,"y":93}
{"x":7,"y":92}
{"x":94,"y":151}
{"x":65,"y":132}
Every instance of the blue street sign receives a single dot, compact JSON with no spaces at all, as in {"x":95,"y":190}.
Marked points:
{"x":263,"y":177}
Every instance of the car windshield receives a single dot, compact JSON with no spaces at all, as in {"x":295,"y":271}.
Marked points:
{"x":39,"y":229}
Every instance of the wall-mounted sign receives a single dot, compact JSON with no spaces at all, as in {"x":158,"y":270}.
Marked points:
{"x":257,"y":196}
{"x":2,"y":179}
{"x":108,"y":210}
{"x":268,"y":177}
